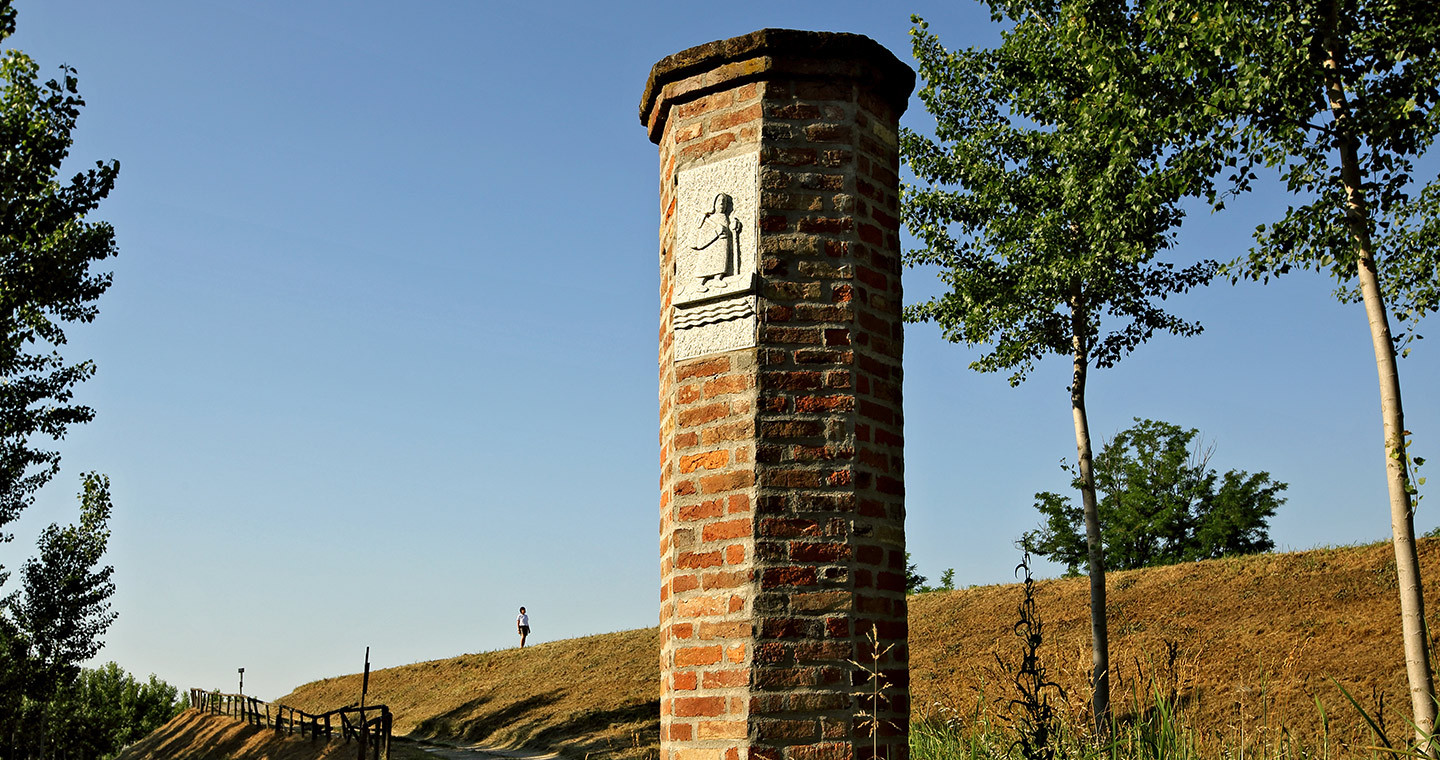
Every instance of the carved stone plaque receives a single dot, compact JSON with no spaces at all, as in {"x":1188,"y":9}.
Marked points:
{"x":715,"y":254}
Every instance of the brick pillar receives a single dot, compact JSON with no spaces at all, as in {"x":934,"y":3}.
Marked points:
{"x":782,"y":512}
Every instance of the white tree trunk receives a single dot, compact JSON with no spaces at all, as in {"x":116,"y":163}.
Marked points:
{"x":1402,"y":518}
{"x":1099,"y":633}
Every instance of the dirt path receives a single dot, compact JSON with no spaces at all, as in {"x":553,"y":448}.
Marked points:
{"x":482,"y":753}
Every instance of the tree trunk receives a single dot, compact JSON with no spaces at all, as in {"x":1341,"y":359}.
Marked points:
{"x":1402,"y":517}
{"x":1099,"y":635}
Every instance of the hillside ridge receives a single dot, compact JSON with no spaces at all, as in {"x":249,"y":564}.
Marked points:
{"x":1243,"y":642}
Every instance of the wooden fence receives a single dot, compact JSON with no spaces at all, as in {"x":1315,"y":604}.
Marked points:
{"x":368,"y":726}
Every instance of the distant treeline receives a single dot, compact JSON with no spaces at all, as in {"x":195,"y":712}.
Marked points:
{"x":92,"y":716}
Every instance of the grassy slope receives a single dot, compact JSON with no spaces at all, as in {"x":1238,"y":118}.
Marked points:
{"x":1246,"y":642}
{"x":589,"y":695}
{"x":193,"y":735}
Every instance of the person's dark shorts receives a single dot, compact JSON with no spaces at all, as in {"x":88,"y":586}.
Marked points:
{"x":525,"y":630}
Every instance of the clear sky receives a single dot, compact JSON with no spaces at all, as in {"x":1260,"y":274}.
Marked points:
{"x":378,"y":366}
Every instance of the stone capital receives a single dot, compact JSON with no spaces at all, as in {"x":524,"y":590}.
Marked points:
{"x":766,"y":53}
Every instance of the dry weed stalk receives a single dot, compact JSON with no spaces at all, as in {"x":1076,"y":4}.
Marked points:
{"x":1038,"y":726}
{"x":870,"y":720}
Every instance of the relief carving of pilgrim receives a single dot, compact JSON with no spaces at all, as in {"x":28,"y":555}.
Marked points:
{"x":715,"y":246}
{"x":717,"y":240}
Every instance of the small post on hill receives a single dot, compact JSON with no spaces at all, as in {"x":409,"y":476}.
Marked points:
{"x":364,"y":688}
{"x":365,"y":680}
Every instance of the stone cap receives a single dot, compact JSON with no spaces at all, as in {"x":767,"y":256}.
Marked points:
{"x":820,"y":55}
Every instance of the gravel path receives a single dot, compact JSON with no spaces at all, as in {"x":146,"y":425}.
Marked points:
{"x":483,"y":753}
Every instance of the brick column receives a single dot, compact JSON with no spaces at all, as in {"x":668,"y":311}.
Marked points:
{"x":782,"y":512}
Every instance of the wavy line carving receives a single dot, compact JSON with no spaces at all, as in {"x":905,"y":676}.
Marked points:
{"x":709,"y":315}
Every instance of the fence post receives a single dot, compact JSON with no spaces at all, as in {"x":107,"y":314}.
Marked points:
{"x":386,"y":715}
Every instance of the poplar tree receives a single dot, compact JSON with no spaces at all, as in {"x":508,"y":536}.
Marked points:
{"x":47,"y":248}
{"x":1339,"y":96}
{"x":1045,"y":197}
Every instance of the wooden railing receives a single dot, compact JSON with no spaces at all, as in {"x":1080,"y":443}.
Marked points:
{"x":368,"y":726}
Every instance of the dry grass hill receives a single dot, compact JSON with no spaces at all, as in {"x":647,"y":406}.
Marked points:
{"x":200,"y":736}
{"x":1242,"y":644}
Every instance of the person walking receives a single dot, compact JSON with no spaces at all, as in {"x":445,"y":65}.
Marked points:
{"x":522,"y":625}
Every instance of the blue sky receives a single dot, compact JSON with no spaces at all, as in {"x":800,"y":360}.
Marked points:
{"x":378,"y":366}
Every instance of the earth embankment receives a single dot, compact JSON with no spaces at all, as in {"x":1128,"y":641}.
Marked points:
{"x":1247,"y":643}
{"x":196,"y":735}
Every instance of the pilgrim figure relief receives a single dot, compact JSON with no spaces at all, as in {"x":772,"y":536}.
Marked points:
{"x":714,"y":265}
{"x":717,"y":241}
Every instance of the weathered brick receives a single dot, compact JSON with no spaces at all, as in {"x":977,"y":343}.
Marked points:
{"x":823,"y":751}
{"x":691,"y":707}
{"x":701,"y":105}
{"x":702,"y":606}
{"x":722,"y":121}
{"x":789,"y":527}
{"x":818,"y":551}
{"x":725,"y":679}
{"x":697,"y":753}
{"x":720,"y":729}
{"x":703,"y":414}
{"x":703,"y":510}
{"x":782,"y":429}
{"x":815,"y":651}
{"x":702,"y":368}
{"x":689,"y":657}
{"x":727,"y":384}
{"x":821,"y":356}
{"x":786,"y":730}
{"x":729,"y":629}
{"x":792,"y":110}
{"x":824,"y":601}
{"x":785,"y":677}
{"x":824,"y":403}
{"x":709,"y":145}
{"x":790,"y":380}
{"x":726,"y":481}
{"x":740,"y":430}
{"x":724,"y":580}
{"x":788,"y":576}
{"x":710,"y":460}
{"x":805,"y":336}
{"x":723,"y":531}
{"x":784,"y":156}
{"x":699,"y":559}
{"x":822,"y":224}
{"x":792,"y":478}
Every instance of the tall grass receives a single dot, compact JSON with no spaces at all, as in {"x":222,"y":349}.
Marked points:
{"x":1152,"y":730}
{"x":1030,"y":718}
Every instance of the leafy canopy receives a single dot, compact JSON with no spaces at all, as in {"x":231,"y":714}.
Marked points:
{"x":1300,"y":85}
{"x":1161,"y":504}
{"x":47,"y":247}
{"x":1047,"y":190}
{"x":94,"y":715}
